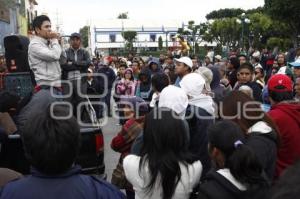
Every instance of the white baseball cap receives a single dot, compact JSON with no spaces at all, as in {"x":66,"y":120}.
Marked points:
{"x":186,"y":60}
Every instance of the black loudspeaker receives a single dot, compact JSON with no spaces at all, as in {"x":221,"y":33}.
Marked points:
{"x":16,"y":53}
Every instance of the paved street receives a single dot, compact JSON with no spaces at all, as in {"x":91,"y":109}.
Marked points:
{"x":110,"y":157}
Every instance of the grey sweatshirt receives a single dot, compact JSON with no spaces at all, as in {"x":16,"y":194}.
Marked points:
{"x":44,"y":61}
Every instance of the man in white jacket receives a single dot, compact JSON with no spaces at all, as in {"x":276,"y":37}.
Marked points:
{"x":44,"y":54}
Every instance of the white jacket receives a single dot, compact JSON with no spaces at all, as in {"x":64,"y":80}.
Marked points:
{"x":44,"y":61}
{"x":190,"y":177}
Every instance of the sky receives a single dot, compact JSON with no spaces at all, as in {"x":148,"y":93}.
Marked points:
{"x":74,"y":14}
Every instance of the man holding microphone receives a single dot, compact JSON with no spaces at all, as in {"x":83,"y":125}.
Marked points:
{"x":44,"y":54}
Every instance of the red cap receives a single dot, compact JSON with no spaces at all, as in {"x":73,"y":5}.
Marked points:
{"x":280,"y":80}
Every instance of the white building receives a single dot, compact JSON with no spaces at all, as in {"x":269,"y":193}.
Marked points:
{"x":106,"y":35}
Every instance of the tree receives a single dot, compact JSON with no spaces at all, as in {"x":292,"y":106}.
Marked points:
{"x":160,"y":43}
{"x":224,"y":13}
{"x":197,"y":49}
{"x":286,"y":11}
{"x":123,"y":15}
{"x":194,"y":33}
{"x":85,"y":31}
{"x":129,"y":37}
{"x":225,"y":32}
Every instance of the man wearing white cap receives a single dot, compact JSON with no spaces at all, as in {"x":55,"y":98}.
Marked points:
{"x":183,"y":67}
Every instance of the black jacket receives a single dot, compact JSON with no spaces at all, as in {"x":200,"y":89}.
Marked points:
{"x":93,"y":89}
{"x":144,"y":89}
{"x":82,"y":63}
{"x":198,"y":135}
{"x":265,"y":148}
{"x":216,"y":186}
{"x":257,"y":91}
{"x":232,"y":77}
{"x":111,"y":77}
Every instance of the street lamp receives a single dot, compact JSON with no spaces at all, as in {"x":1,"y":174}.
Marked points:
{"x":251,"y":39}
{"x":17,"y":7}
{"x":243,"y":20}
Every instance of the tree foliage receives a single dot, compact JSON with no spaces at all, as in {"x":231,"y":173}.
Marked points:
{"x":160,"y":43}
{"x":123,"y":15}
{"x":281,"y":43}
{"x":194,"y":33}
{"x":84,"y":31}
{"x":232,"y":12}
{"x":129,"y":37}
{"x":286,"y":11}
{"x":225,"y":32}
{"x":224,"y":13}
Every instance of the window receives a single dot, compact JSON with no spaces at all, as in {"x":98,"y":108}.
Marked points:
{"x":112,"y":38}
{"x":152,"y":37}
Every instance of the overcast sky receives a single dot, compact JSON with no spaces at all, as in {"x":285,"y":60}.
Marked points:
{"x":74,"y":14}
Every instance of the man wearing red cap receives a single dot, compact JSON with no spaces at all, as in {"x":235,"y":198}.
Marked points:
{"x":286,"y":114}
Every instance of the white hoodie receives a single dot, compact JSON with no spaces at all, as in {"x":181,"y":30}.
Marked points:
{"x":173,"y":98}
{"x":193,"y":85}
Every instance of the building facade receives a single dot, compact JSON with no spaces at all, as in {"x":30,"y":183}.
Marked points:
{"x":106,"y":36}
{"x":15,"y":18}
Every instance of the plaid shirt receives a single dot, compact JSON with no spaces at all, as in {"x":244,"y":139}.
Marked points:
{"x":123,"y":141}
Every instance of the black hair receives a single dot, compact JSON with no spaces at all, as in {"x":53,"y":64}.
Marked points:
{"x":123,"y":65}
{"x":239,"y":158}
{"x":281,"y":96}
{"x":288,"y":185}
{"x":131,"y":72}
{"x":165,"y":145}
{"x":235,"y":62}
{"x":51,"y":144}
{"x":160,"y":81}
{"x":169,"y":57}
{"x":38,"y":21}
{"x":137,"y":62}
{"x":261,"y":70}
{"x":257,"y":59}
{"x":246,"y":66}
{"x":8,"y":100}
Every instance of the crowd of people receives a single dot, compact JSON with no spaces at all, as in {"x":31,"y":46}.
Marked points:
{"x":225,"y":128}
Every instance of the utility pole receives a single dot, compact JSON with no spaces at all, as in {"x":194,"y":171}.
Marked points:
{"x":17,"y":8}
{"x":58,"y":23}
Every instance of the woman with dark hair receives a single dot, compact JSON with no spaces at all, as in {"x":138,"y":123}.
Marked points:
{"x":127,"y":85}
{"x":238,"y":173}
{"x":258,"y":127}
{"x":215,"y":85}
{"x":165,"y":169}
{"x":260,"y":77}
{"x":232,"y":67}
